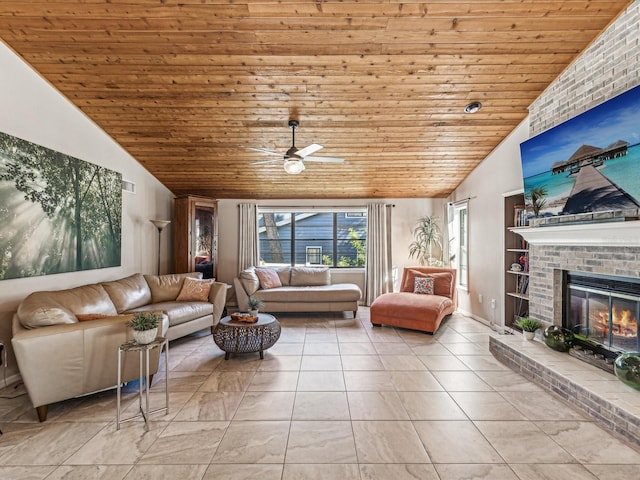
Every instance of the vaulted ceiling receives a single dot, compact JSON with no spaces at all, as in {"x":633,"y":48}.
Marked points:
{"x":187,"y":86}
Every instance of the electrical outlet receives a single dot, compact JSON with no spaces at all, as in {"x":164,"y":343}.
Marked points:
{"x":493,"y":303}
{"x":480,"y":298}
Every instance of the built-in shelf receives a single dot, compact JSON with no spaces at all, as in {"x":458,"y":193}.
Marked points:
{"x":515,"y":282}
{"x":515,"y":272}
{"x":518,"y":295}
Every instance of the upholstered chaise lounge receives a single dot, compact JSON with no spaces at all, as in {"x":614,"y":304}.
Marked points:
{"x":417,"y":311}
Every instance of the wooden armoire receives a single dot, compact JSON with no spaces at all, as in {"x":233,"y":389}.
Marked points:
{"x":196,"y":235}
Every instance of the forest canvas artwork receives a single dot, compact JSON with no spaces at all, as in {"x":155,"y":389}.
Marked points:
{"x":57,"y":213}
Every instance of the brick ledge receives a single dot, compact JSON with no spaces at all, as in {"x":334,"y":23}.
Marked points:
{"x":529,"y":360}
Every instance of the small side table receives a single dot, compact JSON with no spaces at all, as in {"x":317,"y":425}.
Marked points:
{"x":133,"y":346}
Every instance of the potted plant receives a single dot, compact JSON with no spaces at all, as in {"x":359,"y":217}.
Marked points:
{"x":254,"y":306}
{"x":145,"y":326}
{"x":528,"y":326}
{"x":426,"y":234}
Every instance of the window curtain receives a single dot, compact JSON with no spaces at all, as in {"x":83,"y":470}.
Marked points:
{"x":247,"y":235}
{"x":378,"y":277}
{"x":448,"y":234}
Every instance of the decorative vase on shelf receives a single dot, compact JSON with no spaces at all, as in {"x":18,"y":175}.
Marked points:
{"x":143,"y":337}
{"x":558,"y":338}
{"x":627,"y":369}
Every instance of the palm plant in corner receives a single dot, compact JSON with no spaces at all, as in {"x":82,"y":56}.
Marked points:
{"x":145,"y":326}
{"x":426,"y":234}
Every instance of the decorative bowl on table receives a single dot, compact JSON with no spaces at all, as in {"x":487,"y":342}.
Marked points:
{"x":244,"y":317}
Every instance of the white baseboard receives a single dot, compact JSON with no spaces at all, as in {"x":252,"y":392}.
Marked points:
{"x":5,"y":382}
{"x":480,"y":319}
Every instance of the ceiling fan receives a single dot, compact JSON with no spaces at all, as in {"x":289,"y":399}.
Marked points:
{"x":293,"y":159}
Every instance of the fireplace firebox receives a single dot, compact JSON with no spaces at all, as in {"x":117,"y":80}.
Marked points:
{"x":602,"y":312}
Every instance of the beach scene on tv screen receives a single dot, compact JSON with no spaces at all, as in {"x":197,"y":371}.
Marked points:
{"x":586,"y":164}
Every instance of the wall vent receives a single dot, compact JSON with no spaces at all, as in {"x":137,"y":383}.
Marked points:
{"x":128,"y":186}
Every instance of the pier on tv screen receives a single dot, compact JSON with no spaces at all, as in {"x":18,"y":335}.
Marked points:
{"x":586,"y":164}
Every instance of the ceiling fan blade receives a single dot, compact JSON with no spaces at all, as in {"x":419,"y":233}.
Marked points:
{"x":324,"y":159}
{"x":266,"y":161}
{"x":313,"y":148}
{"x":264,"y":150}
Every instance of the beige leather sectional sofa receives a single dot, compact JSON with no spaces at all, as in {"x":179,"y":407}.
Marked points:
{"x":301,"y":289}
{"x":66,"y":342}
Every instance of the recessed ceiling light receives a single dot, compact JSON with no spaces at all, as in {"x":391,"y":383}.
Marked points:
{"x":473,"y":107}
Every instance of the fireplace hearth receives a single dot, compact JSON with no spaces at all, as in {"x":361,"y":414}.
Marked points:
{"x":602,"y":311}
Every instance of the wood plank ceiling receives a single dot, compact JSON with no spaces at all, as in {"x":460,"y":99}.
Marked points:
{"x":186,"y":86}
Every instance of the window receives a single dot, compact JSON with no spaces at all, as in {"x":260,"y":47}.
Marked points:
{"x":314,"y":255}
{"x":316,"y":237}
{"x":459,"y":242}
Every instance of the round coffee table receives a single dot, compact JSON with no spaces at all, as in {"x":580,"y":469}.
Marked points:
{"x":242,"y":337}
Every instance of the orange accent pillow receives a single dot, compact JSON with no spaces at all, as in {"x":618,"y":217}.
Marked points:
{"x":86,"y":317}
{"x":268,"y":277}
{"x":194,"y":290}
{"x":442,"y":282}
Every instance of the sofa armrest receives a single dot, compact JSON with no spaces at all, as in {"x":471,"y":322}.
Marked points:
{"x":63,"y":361}
{"x":218,"y":297}
{"x":241,"y":295}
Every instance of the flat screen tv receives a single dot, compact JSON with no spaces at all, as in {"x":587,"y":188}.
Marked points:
{"x":589,"y":163}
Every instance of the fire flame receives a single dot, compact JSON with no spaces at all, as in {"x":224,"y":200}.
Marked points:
{"x":624,"y":323}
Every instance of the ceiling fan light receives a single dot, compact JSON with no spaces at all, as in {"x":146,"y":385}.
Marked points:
{"x":293,"y":166}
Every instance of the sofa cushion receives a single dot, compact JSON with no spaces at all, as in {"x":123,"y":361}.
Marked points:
{"x":129,"y":292}
{"x":268,"y":277}
{"x":310,"y":276}
{"x":179,"y":312}
{"x":165,"y":288}
{"x":285,"y":275}
{"x":194,"y":290}
{"x":41,"y":309}
{"x":340,"y":292}
{"x":443,"y":282}
{"x":249,"y":280}
{"x":423,"y":285}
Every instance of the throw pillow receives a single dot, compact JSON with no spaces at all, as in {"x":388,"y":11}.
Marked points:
{"x":249,"y":280}
{"x":268,"y":278}
{"x":85,"y":317}
{"x":194,"y":290}
{"x":443,"y":282}
{"x":423,"y":285}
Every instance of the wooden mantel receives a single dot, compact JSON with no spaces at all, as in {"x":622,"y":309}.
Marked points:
{"x":615,"y":234}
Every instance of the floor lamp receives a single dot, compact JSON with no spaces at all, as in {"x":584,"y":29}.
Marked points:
{"x":160,"y":224}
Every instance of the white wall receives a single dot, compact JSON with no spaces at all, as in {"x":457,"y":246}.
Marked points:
{"x":403,"y":219}
{"x":35,"y":111}
{"x":499,"y":172}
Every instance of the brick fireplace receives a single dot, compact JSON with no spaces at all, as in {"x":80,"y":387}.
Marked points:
{"x":605,"y":249}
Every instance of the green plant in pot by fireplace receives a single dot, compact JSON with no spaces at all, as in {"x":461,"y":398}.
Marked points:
{"x":528,"y":326}
{"x":145,"y":326}
{"x":255,"y":305}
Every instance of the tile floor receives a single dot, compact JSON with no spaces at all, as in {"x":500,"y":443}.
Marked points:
{"x":334,"y":399}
